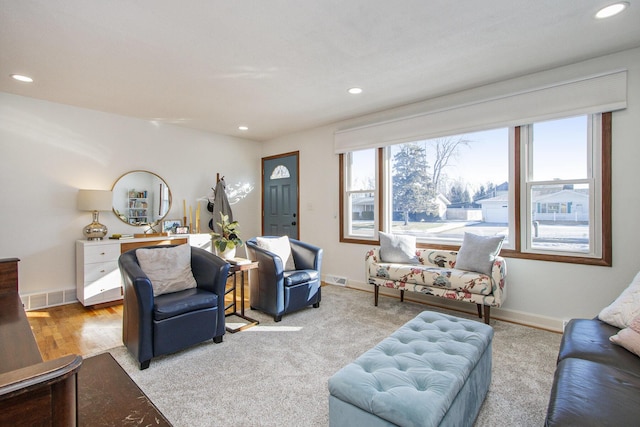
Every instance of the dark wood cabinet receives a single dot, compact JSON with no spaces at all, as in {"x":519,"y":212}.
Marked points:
{"x":32,"y":392}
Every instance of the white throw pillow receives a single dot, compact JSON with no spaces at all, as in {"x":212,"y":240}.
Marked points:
{"x":279,"y":246}
{"x":398,"y":248}
{"x":629,"y":338}
{"x":169,"y":269}
{"x":478,"y":253}
{"x":625,"y":308}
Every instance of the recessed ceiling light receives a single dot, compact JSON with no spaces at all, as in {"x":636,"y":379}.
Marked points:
{"x":21,"y":78}
{"x":243,"y":128}
{"x":613,"y":9}
{"x":355,"y":90}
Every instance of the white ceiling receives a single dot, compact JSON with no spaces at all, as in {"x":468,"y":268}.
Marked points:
{"x":280,"y":66}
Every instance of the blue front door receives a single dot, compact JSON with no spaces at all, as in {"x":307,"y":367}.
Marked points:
{"x":280,"y":216}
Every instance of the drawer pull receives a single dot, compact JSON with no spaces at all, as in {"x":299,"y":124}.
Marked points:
{"x":101,"y":271}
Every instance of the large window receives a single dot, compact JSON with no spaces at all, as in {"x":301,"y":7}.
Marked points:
{"x":560,"y":178}
{"x":540,"y":185}
{"x":442,"y":187}
{"x":361,"y":194}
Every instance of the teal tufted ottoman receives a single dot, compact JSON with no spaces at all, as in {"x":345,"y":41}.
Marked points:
{"x":433,"y":371}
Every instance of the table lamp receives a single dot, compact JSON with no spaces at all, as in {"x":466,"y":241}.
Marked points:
{"x":95,"y":201}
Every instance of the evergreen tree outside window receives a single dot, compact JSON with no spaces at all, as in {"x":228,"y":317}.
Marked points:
{"x":541,"y":185}
{"x":412,"y":188}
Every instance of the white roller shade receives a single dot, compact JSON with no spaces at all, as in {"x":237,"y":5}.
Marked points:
{"x":588,"y":95}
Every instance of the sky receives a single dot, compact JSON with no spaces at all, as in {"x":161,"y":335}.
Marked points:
{"x":559,"y":151}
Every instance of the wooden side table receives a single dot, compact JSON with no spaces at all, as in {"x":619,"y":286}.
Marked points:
{"x":234,"y":270}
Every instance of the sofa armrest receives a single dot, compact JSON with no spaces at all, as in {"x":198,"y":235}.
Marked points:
{"x":136,"y":281}
{"x":499,"y":279}
{"x":210,"y":271}
{"x":137,"y":327}
{"x":269,"y":289}
{"x":305,"y":255}
{"x":371,"y":257}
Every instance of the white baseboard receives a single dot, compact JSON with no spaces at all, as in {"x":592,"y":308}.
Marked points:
{"x":513,"y":316}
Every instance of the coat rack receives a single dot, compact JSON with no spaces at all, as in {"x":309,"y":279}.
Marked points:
{"x":210,"y":203}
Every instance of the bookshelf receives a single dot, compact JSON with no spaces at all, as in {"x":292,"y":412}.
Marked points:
{"x":138,"y":206}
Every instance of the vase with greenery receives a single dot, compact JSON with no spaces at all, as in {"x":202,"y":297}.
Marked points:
{"x":229,"y":238}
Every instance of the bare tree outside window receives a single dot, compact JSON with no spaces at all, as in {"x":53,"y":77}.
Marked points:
{"x":438,"y":189}
{"x":444,"y":150}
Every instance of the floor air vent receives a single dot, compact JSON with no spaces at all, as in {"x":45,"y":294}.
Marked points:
{"x":332,"y":279}
{"x":48,"y":299}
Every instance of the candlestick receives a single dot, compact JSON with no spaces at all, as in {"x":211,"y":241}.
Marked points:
{"x":190,"y":219}
{"x":198,"y":218}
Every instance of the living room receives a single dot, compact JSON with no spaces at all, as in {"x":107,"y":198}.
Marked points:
{"x":51,"y":149}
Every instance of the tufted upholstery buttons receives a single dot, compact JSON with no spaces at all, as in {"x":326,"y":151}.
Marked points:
{"x":417,"y":372}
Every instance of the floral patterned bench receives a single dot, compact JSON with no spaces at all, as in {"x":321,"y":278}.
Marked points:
{"x":435,"y":274}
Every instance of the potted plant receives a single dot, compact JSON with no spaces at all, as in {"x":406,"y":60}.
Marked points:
{"x":227,"y":241}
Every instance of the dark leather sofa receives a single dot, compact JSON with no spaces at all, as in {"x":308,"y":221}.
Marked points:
{"x":596,"y":383}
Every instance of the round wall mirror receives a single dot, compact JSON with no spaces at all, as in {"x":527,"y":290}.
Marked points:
{"x":141,"y":198}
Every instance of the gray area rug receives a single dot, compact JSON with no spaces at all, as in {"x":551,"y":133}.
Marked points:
{"x":275,"y":374}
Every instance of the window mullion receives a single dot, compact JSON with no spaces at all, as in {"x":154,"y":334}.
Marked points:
{"x":567,"y":210}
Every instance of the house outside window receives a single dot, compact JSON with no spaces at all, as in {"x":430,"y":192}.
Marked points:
{"x":360,"y":194}
{"x":562,"y":176}
{"x":540,"y":185}
{"x":437,"y":187}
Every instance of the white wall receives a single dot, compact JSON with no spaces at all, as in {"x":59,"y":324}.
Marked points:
{"x":48,"y":151}
{"x":540,"y":293}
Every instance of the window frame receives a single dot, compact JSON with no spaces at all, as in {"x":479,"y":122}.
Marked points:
{"x":601,"y":256}
{"x":345,"y":212}
{"x":592,"y":178}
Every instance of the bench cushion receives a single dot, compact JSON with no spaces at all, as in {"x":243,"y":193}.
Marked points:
{"x":424,"y":275}
{"x":413,"y":376}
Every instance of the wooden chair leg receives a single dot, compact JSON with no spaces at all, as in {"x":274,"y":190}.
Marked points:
{"x":401,"y":296}
{"x":375,"y":293}
{"x":479,"y":310}
{"x":487,"y":311}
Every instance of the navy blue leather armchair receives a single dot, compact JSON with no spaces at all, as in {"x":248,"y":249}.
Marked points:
{"x":277,"y":291}
{"x":153,"y":326}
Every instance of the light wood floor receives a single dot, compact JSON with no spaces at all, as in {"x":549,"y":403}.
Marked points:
{"x":75,"y":329}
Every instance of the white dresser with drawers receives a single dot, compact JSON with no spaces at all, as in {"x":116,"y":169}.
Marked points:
{"x":98,"y":278}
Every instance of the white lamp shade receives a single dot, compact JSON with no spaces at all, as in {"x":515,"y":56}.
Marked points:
{"x":95,"y":200}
